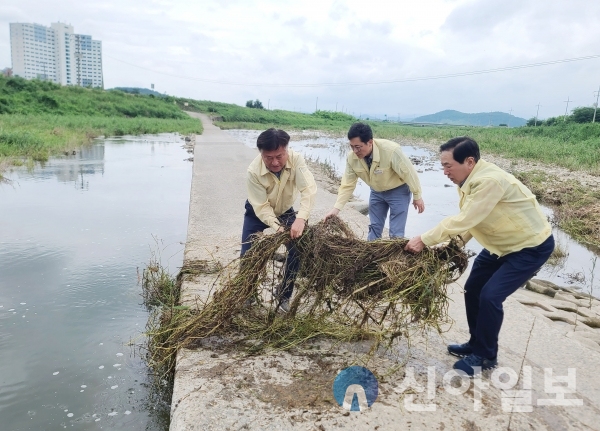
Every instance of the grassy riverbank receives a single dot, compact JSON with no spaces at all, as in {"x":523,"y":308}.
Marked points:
{"x":576,"y":207}
{"x":39,"y":136}
{"x":38,"y":119}
{"x":565,"y":144}
{"x":569,"y":145}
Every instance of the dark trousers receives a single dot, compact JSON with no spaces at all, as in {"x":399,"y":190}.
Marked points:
{"x":491,"y":281}
{"x":252,"y":225}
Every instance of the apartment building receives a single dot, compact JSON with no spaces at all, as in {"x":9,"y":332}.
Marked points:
{"x":56,"y":54}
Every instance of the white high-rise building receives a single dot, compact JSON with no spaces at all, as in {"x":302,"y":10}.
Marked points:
{"x":56,"y":54}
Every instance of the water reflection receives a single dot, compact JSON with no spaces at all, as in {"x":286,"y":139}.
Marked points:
{"x":72,"y":236}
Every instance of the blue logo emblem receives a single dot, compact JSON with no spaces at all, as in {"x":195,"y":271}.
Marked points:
{"x":355,"y":388}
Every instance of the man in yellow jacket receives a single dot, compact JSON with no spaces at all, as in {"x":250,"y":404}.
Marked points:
{"x":505,"y":218}
{"x":275,"y":177}
{"x":390,"y":174}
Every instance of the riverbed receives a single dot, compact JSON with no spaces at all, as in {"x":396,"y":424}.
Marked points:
{"x":75,"y":234}
{"x":441,"y":200}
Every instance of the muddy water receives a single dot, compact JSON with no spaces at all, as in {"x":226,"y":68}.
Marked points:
{"x":441,"y":200}
{"x":73,"y":234}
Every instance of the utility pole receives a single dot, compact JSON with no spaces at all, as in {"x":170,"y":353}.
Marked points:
{"x":596,"y":106}
{"x":536,"y":115}
{"x":268,"y":104}
{"x":317,"y":104}
{"x":567,"y":108}
{"x":335,"y":106}
{"x":509,"y":115}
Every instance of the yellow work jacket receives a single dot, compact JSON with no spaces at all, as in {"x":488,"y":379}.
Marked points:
{"x":391,"y":168}
{"x":271,"y":196}
{"x":497,"y":210}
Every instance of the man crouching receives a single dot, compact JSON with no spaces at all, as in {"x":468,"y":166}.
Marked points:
{"x":506,"y":219}
{"x":274,"y":179}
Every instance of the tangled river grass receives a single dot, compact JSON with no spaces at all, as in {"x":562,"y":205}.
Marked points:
{"x":347,"y":290}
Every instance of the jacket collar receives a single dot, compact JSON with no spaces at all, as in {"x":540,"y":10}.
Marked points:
{"x":466,"y":187}
{"x":375,"y":151}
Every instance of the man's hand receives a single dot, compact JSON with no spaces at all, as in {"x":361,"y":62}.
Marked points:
{"x":281,"y":228}
{"x":334,"y":212}
{"x":415,"y":245}
{"x":419,"y":205}
{"x":297,"y":228}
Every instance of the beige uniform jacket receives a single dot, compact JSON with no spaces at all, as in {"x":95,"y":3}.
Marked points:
{"x":391,"y":168}
{"x":271,"y":196}
{"x":497,"y":210}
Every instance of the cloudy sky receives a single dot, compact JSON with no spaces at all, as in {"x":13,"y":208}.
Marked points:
{"x":283,"y":51}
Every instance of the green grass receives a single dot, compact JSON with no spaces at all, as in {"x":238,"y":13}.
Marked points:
{"x":570,"y":145}
{"x":20,"y":96}
{"x":576,"y":207}
{"x":39,"y":119}
{"x":39,"y":136}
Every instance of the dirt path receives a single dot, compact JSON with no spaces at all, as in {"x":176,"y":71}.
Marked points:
{"x":216,"y":389}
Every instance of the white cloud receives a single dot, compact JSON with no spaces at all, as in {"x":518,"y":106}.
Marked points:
{"x":268,"y":41}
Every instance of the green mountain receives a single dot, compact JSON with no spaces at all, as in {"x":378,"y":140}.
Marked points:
{"x":479,"y":119}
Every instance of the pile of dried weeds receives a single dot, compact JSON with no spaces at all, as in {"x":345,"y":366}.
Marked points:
{"x":347,"y":289}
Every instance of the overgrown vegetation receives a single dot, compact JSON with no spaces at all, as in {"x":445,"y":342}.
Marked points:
{"x":25,"y":97}
{"x":39,"y":118}
{"x":576,"y":208}
{"x":568,"y":144}
{"x":39,"y":136}
{"x":581,"y":115}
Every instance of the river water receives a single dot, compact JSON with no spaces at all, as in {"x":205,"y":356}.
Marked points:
{"x":73,"y":235}
{"x":441,"y":200}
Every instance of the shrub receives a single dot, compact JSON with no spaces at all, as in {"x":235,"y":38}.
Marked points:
{"x":582,"y":115}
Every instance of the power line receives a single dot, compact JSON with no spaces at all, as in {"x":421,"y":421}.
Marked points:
{"x":356,"y":83}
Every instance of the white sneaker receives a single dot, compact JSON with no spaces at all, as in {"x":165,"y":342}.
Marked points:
{"x":285,"y":305}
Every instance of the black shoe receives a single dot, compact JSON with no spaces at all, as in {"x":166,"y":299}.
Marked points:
{"x":474,"y":364}
{"x":460,"y":350}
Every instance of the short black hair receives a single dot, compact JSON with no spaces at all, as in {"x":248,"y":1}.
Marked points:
{"x":272,"y":139}
{"x":362,"y":131}
{"x":463,"y":147}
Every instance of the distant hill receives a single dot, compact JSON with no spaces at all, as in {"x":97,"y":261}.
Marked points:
{"x":479,"y":119}
{"x":137,"y":90}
